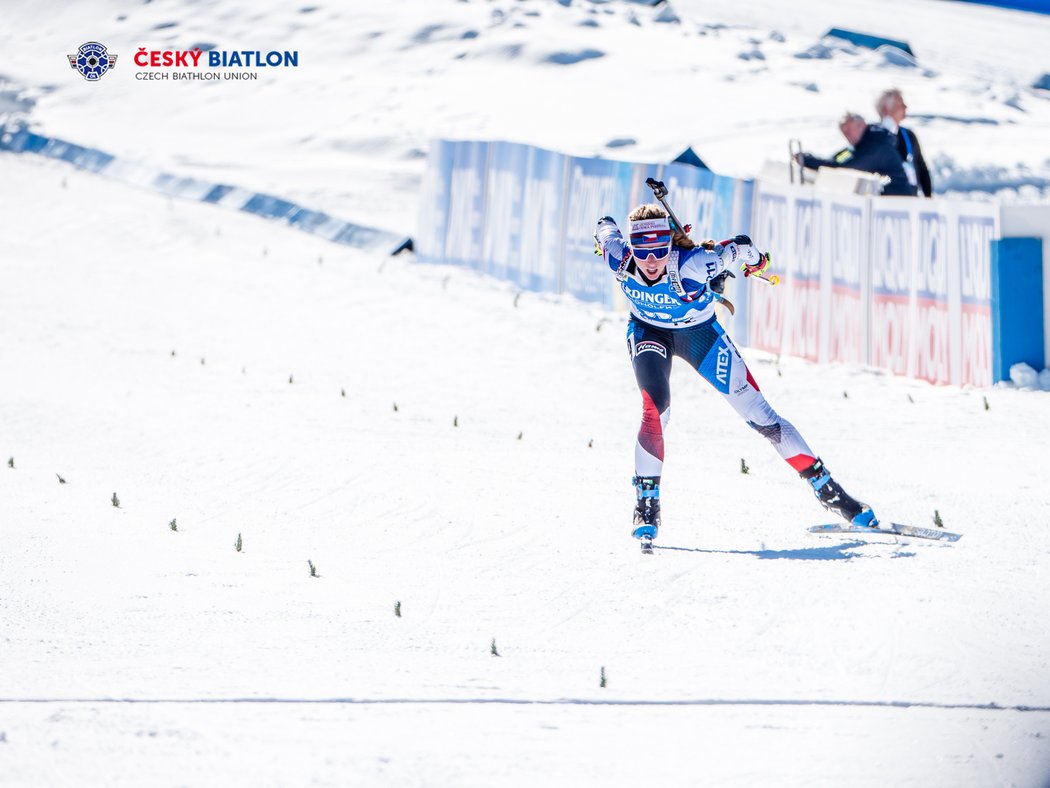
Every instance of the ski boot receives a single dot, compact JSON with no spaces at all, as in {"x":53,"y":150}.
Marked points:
{"x":833,"y":498}
{"x":646,"y":511}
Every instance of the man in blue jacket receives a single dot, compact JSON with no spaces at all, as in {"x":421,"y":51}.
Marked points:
{"x":873,"y":149}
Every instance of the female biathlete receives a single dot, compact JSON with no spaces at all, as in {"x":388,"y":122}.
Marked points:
{"x":671,"y":284}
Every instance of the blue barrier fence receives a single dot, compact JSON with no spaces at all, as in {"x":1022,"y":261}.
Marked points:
{"x":18,"y":139}
{"x":527,"y":215}
{"x":1017,"y":305}
{"x":899,"y":283}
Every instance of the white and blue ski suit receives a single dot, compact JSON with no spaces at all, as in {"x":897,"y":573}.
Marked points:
{"x":674,"y":316}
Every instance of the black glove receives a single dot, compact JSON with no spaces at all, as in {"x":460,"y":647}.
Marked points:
{"x":608,"y":219}
{"x":718,"y":283}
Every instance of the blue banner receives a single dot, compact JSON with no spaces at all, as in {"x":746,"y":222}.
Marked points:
{"x":596,"y":187}
{"x":466,"y":211}
{"x":434,"y":203}
{"x":692,"y":197}
{"x":17,"y":139}
{"x":527,"y":215}
{"x":542,"y":211}
{"x":504,"y":205}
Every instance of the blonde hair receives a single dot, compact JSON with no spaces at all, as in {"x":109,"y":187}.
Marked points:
{"x":654,"y":211}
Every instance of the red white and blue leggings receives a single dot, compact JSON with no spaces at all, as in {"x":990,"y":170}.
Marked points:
{"x":708,"y":350}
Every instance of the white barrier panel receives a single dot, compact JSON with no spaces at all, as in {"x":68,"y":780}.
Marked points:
{"x":976,"y":226}
{"x":902,"y":326}
{"x":819,"y":247}
{"x":897,"y":283}
{"x":845,"y":267}
{"x":930,"y":289}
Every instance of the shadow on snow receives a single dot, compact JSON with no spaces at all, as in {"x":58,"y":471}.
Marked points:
{"x":839,"y":552}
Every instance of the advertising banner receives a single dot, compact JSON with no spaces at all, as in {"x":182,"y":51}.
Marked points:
{"x":975,"y":227}
{"x":846,"y":256}
{"x":800,"y":262}
{"x":543,"y":207}
{"x":466,"y":205}
{"x":595,"y":187}
{"x":893,"y":272}
{"x":770,"y":231}
{"x":923,"y":318}
{"x":504,"y":204}
{"x":898,"y":283}
{"x":931,"y":289}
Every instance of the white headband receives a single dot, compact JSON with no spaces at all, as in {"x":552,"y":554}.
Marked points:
{"x":650,"y":225}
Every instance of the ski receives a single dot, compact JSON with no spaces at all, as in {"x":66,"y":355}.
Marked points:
{"x":647,"y":545}
{"x":894,"y":529}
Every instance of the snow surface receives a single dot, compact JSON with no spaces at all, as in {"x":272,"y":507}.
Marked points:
{"x":428,"y":437}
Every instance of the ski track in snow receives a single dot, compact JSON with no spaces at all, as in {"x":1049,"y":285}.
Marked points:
{"x":896,"y":704}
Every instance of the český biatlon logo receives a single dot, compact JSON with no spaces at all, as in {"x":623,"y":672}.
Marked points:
{"x":92,"y":60}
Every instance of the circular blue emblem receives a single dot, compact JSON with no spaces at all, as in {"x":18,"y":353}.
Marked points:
{"x":92,"y":60}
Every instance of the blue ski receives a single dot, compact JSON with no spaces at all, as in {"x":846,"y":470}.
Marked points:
{"x":895,"y":529}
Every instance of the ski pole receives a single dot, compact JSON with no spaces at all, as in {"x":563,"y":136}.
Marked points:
{"x":772,"y":279}
{"x":660,"y":193}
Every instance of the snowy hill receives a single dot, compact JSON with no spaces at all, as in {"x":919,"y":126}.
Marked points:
{"x":345,"y":131}
{"x":425,"y":439}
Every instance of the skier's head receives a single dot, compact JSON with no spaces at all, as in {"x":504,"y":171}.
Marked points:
{"x":651,"y":236}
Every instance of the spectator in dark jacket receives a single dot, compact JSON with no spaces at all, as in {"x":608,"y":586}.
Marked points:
{"x":873,"y":150}
{"x":892,"y":109}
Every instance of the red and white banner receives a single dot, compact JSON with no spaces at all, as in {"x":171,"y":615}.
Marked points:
{"x":819,"y":246}
{"x":898,"y":283}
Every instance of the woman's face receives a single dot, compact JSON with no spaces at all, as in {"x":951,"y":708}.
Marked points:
{"x":651,"y":241}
